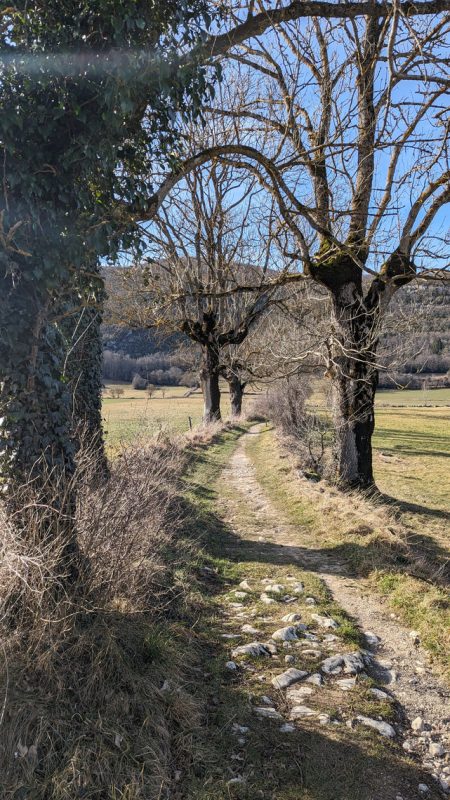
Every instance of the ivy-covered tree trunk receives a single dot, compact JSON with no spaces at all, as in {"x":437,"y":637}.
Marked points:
{"x":36,"y":449}
{"x":209,"y":381}
{"x":83,"y":369}
{"x":357,"y":315}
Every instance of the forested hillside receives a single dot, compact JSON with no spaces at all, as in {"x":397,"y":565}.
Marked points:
{"x":423,"y":355}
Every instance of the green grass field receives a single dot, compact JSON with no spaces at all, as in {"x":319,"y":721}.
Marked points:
{"x":135,"y":416}
{"x":411,"y":442}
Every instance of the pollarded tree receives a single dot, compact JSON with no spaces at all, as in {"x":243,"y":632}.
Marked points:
{"x":208,"y":258}
{"x":358,"y":163}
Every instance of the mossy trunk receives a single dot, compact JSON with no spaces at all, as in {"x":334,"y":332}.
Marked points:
{"x":209,"y":381}
{"x":36,"y":449}
{"x":354,"y":381}
{"x":83,"y":370}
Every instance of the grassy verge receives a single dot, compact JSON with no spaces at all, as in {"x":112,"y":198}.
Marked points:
{"x":368,"y":539}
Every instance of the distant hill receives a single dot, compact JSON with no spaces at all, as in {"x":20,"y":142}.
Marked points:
{"x":140,"y":342}
{"x":416,"y":348}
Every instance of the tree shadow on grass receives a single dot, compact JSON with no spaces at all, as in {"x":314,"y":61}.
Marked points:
{"x":405,"y":507}
{"x":420,"y":556}
{"x":311,"y":763}
{"x":332,"y":763}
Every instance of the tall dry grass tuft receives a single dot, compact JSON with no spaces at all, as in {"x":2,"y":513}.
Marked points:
{"x":84,"y":711}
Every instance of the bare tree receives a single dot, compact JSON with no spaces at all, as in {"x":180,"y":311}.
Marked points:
{"x":206,"y":263}
{"x":357,"y":162}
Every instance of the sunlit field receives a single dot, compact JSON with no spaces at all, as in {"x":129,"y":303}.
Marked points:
{"x":134,"y":416}
{"x":412,"y":439}
{"x":412,"y":451}
{"x":413,"y":397}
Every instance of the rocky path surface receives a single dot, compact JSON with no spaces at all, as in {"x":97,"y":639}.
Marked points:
{"x":399,"y":668}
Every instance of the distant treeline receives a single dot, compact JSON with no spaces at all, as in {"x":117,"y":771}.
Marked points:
{"x":159,"y":369}
{"x":414,"y":352}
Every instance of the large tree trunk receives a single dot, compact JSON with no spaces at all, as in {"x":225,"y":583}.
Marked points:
{"x":209,"y":380}
{"x":36,"y":450}
{"x":83,"y":370}
{"x":236,"y":395}
{"x":354,"y":381}
{"x":236,"y":388}
{"x":352,"y":347}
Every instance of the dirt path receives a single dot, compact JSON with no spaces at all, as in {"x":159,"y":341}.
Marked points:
{"x":399,"y":663}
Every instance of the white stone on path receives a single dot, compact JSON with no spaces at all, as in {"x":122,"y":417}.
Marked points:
{"x":297,"y":712}
{"x":417,"y":724}
{"x":351,"y":663}
{"x":423,"y":788}
{"x":288,"y":634}
{"x":287,"y":678}
{"x":316,"y":679}
{"x":333,"y":665}
{"x":324,"y":719}
{"x":310,"y":601}
{"x":267,"y":713}
{"x":266,"y":700}
{"x":275,"y":588}
{"x":372,"y":639}
{"x":266,"y":599}
{"x":249,"y":629}
{"x":254,"y":649}
{"x":231,"y":665}
{"x":236,"y":728}
{"x":240,"y":595}
{"x":289,"y":659}
{"x":346,"y":684}
{"x":379,"y":694}
{"x":245,"y":585}
{"x":298,"y":588}
{"x":325,"y":622}
{"x":291,"y":618}
{"x":295,"y":695}
{"x":436,"y":749}
{"x":382,"y":727}
{"x":230,"y":636}
{"x":287,"y":728}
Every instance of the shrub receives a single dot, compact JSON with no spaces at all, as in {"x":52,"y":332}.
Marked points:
{"x":115,"y":391}
{"x":284,"y":404}
{"x":139,"y":382}
{"x":81,"y":674}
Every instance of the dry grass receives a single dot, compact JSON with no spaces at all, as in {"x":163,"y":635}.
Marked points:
{"x":409,"y":569}
{"x":134,"y":417}
{"x":84,"y":712}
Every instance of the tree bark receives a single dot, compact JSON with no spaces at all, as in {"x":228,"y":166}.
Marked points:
{"x":83,"y":370}
{"x":354,"y":381}
{"x":352,"y":349}
{"x":236,"y":395}
{"x":209,"y":380}
{"x":36,"y":449}
{"x":236,"y":388}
